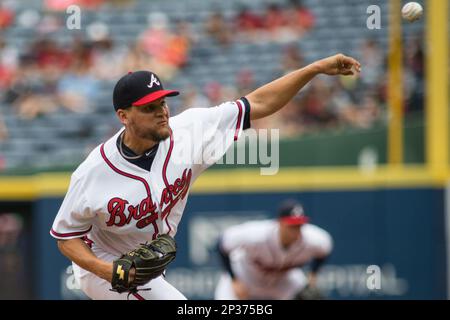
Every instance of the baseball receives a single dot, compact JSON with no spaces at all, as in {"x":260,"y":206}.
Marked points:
{"x":412,"y":11}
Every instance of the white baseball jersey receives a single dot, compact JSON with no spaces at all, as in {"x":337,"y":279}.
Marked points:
{"x":259,"y":260}
{"x":119,"y":205}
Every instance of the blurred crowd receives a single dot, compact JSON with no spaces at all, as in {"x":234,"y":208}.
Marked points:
{"x":48,"y":75}
{"x":276,"y":23}
{"x":358,"y":101}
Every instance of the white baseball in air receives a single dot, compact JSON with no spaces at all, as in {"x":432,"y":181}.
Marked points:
{"x":412,"y":11}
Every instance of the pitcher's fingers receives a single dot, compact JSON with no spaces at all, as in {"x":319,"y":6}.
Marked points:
{"x":355,"y":63}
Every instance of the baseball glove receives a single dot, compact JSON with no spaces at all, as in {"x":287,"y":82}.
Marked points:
{"x":149,"y":261}
{"x":309,"y":293}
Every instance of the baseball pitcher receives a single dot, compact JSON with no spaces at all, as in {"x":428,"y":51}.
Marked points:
{"x":120,"y":215}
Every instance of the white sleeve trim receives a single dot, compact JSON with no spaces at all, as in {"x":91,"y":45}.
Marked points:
{"x":240,"y":118}
{"x":69,"y":235}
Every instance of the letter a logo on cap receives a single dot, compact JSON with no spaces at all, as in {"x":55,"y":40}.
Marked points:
{"x":152,"y":81}
{"x":297,"y":211}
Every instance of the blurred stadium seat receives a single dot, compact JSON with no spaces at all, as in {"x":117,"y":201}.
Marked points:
{"x":335,"y":30}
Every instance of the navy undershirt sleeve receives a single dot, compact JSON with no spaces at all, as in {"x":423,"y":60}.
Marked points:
{"x":247,"y":123}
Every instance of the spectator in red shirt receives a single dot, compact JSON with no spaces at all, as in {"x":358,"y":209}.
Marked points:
{"x":61,"y":5}
{"x":6,"y":16}
{"x":275,"y":17}
{"x":248,"y":21}
{"x":305,"y":18}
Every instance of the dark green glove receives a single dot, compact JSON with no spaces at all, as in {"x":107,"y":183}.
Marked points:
{"x":149,"y":260}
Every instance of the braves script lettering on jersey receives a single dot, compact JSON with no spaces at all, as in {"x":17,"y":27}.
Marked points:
{"x":268,"y":270}
{"x":118,"y":205}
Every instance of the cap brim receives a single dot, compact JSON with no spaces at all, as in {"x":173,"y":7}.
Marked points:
{"x":294,"y":221}
{"x":155,"y":96}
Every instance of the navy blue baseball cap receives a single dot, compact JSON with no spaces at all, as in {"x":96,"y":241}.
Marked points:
{"x":291,"y":213}
{"x":139,"y":88}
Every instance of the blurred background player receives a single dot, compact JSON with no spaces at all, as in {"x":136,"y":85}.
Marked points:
{"x":263,"y":258}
